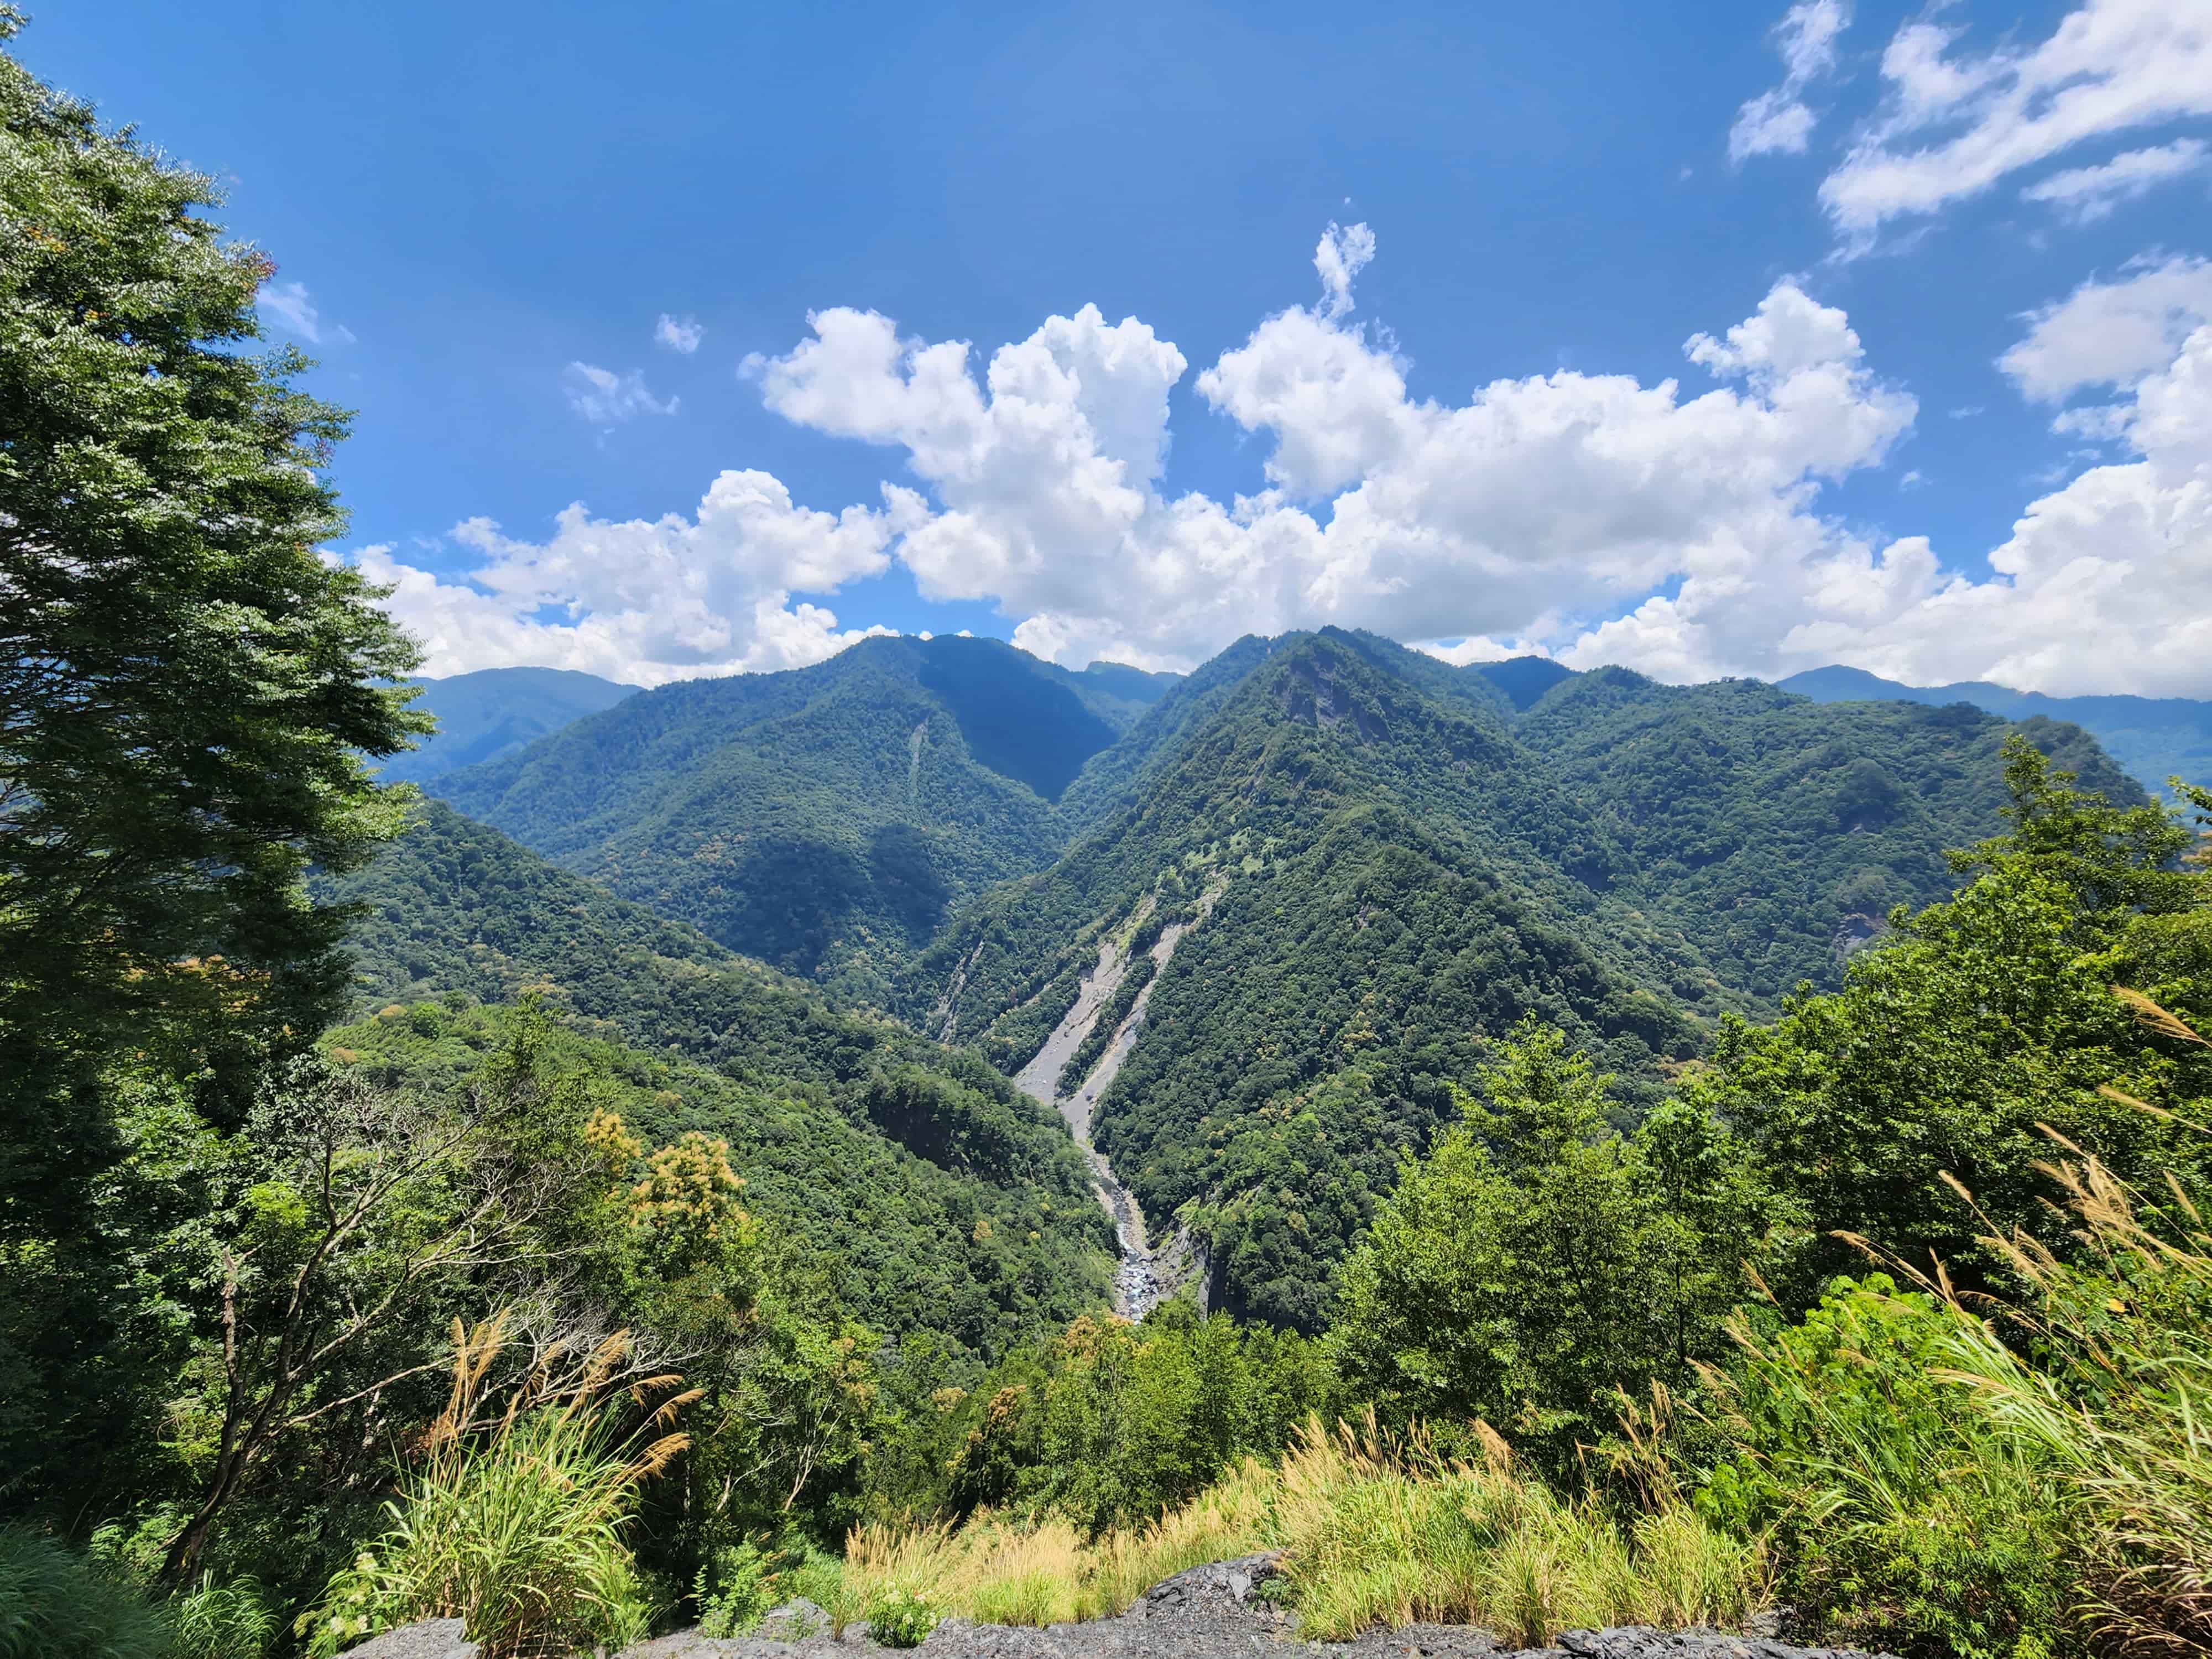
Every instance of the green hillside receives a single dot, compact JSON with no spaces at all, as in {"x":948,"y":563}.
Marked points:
{"x":2152,"y":738}
{"x":826,"y":819}
{"x":875,"y":1152}
{"x":1773,"y":832}
{"x":1403,"y":866}
{"x":1395,"y":861}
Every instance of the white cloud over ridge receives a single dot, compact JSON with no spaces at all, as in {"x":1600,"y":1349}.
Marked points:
{"x":1954,"y":123}
{"x":1676,"y":529}
{"x":649,"y":600}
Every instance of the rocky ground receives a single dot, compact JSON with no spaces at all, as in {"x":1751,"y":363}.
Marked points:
{"x":1208,"y":1612}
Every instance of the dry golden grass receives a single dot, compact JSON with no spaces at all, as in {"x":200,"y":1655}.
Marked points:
{"x":1371,"y":1530}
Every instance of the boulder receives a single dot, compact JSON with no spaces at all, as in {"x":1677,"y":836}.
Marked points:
{"x":794,"y":1621}
{"x":428,"y":1638}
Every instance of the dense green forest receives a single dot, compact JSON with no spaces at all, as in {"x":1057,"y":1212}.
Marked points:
{"x":1667,"y":1155}
{"x":2151,"y":738}
{"x":909,"y":1141}
{"x":1411,"y":866}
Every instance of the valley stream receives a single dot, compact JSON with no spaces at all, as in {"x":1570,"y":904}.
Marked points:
{"x":1144,"y":1278}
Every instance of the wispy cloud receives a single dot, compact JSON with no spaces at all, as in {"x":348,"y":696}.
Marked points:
{"x":2086,"y":194}
{"x":289,"y":306}
{"x":1779,"y":120}
{"x":606,"y":399}
{"x":1955,"y":124}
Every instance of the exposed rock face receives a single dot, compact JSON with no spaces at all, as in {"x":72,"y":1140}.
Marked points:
{"x":432,"y":1638}
{"x":1221,"y":1611}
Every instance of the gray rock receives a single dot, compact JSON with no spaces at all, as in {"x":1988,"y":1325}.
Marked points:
{"x":1638,"y":1642}
{"x":794,"y":1621}
{"x":1219,"y":1611}
{"x":431,"y":1638}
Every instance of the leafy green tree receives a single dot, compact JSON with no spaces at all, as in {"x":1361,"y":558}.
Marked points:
{"x":187,"y":690}
{"x":1536,"y":1263}
{"x":1982,"y":1020}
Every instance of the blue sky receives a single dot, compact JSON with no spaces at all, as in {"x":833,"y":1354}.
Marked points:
{"x":1963,"y":429}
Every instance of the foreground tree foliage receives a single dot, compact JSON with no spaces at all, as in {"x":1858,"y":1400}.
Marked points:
{"x":187,"y":694}
{"x":1982,"y":1020}
{"x":187,"y":691}
{"x":1537,"y":1263}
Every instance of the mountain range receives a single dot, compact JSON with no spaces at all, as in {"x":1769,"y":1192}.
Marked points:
{"x":2152,"y":738}
{"x":1249,"y":927}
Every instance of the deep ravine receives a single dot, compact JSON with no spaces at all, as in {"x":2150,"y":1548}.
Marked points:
{"x":1146,"y":1278}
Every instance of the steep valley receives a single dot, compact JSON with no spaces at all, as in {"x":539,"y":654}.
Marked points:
{"x":1338,"y":868}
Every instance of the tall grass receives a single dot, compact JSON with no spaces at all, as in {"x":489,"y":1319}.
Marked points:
{"x":54,"y":1604}
{"x":1990,"y":1476}
{"x":2121,"y":1408}
{"x":1370,"y":1531}
{"x":215,"y":1620}
{"x":1378,"y":1531}
{"x":517,"y":1530}
{"x":996,"y":1572}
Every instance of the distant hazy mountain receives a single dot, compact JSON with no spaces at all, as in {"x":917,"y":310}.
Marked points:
{"x":2153,"y":738}
{"x":496,"y":711}
{"x":823,"y":818}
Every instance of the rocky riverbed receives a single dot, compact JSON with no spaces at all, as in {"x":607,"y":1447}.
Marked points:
{"x":1213,"y":1611}
{"x":1148,"y":1275}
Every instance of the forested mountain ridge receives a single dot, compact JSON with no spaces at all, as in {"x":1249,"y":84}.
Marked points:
{"x":822,"y":820}
{"x":844,"y":1124}
{"x":1406,"y":858}
{"x":494,"y":712}
{"x":2152,"y":738}
{"x":1407,"y":867}
{"x":1774,"y":833}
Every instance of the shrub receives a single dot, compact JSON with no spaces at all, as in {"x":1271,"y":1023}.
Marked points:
{"x":520,"y":1534}
{"x":54,"y":1604}
{"x":1905,"y":1519}
{"x":900,"y":1617}
{"x":734,"y":1590}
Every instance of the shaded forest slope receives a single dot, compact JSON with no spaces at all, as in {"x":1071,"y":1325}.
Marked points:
{"x":927,"y":1191}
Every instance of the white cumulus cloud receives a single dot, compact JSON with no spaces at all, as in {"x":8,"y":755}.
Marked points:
{"x":2111,"y":333}
{"x":648,"y":600}
{"x":1779,"y":120}
{"x":1955,"y":123}
{"x":1678,"y":526}
{"x":606,"y":399}
{"x":1536,"y":498}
